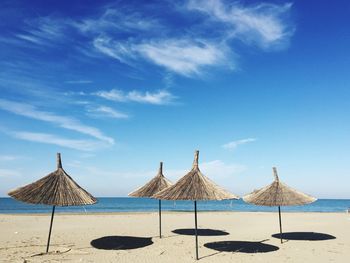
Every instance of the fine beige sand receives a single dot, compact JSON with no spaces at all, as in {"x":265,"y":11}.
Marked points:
{"x":132,"y":237}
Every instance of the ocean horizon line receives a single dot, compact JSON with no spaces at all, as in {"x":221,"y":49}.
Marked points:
{"x":134,"y":204}
{"x":328,"y":198}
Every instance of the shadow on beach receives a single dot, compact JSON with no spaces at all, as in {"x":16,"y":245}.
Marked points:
{"x":121,"y":242}
{"x":241,"y":246}
{"x":309,"y":236}
{"x":200,"y":232}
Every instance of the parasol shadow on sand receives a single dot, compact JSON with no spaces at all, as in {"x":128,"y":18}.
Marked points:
{"x":306,"y":236}
{"x":241,"y":246}
{"x":157,"y":184}
{"x":195,"y":186}
{"x":56,"y":189}
{"x":278,"y":194}
{"x":200,"y":232}
{"x":121,"y":242}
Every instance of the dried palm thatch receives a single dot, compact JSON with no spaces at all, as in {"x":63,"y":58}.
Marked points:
{"x":278,"y":194}
{"x":195,"y":186}
{"x":56,"y":189}
{"x":157,"y":184}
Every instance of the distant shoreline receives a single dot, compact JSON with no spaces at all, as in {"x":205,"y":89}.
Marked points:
{"x":163,"y":212}
{"x":116,"y":205}
{"x":129,"y":197}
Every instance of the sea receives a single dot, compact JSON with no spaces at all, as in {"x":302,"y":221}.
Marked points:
{"x":128,"y":204}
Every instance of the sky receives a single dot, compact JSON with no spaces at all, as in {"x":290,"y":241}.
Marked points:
{"x":118,"y":86}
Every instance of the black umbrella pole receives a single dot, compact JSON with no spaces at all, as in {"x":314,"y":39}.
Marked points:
{"x":279,"y":215}
{"x":160,"y":218}
{"x":195,"y":229}
{"x":48,"y":240}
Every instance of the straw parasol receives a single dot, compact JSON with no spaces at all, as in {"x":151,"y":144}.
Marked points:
{"x":56,"y":189}
{"x":278,"y":194}
{"x":195,"y":186}
{"x":157,"y":184}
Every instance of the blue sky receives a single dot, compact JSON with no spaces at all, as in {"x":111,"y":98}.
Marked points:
{"x":117,"y":86}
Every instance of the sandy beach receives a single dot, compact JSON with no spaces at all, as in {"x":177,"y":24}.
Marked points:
{"x":132,"y":237}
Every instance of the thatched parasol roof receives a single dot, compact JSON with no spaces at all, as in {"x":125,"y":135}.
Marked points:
{"x":57,"y":188}
{"x":278,"y":194}
{"x":195,"y":186}
{"x":157,"y":184}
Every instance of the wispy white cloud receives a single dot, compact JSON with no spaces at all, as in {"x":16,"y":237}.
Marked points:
{"x":130,"y":36}
{"x":82,"y":145}
{"x":61,"y":121}
{"x":8,"y":173}
{"x":104,"y":111}
{"x":113,"y":19}
{"x":30,"y":38}
{"x":264,"y":24}
{"x":44,"y":30}
{"x":185,"y":57}
{"x":115,"y":49}
{"x":159,"y":97}
{"x":234,"y":144}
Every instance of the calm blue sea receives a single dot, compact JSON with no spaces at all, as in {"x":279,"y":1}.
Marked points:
{"x":126,"y":204}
